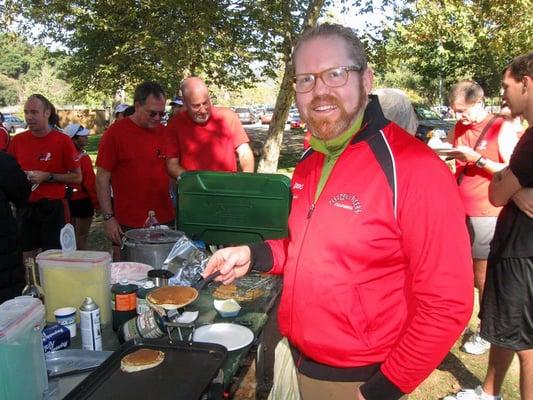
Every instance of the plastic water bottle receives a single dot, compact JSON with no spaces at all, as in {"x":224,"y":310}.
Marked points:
{"x":32,"y":288}
{"x":151,"y":221}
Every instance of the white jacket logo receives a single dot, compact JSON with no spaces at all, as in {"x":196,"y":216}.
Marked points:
{"x":346,"y":201}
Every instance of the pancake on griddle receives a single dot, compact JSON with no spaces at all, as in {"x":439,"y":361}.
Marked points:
{"x":172,"y":297}
{"x":141,"y":359}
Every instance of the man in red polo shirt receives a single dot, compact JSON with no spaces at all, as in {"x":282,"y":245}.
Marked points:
{"x":49,"y":159}
{"x":203,"y":137}
{"x":131,"y":159}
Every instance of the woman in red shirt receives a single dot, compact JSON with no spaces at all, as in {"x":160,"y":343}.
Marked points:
{"x":82,"y":197}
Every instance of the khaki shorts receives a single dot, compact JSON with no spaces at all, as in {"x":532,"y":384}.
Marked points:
{"x":481,"y":230}
{"x":314,"y":389}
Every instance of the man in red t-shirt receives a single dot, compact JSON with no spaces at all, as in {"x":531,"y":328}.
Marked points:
{"x":131,"y":160}
{"x":485,"y":143}
{"x":203,"y":137}
{"x":49,"y":159}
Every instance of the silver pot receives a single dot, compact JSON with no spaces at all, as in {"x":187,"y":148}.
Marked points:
{"x":160,"y":277}
{"x":148,"y":245}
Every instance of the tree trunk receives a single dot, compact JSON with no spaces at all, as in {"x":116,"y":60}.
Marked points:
{"x":268,"y":162}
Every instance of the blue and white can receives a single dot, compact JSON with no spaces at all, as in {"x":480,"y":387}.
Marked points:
{"x":55,"y":337}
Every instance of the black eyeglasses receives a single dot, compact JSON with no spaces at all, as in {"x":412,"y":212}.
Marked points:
{"x":332,"y":77}
{"x":161,"y":114}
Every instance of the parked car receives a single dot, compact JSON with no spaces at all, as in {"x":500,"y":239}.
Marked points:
{"x":259,"y":111}
{"x":12,"y":123}
{"x":296,"y":122}
{"x":246,"y":115}
{"x":267,"y":116}
{"x":293,"y":111}
{"x":429,"y":121}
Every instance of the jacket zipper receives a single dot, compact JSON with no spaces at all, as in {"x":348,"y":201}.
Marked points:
{"x":309,"y":214}
{"x":310,"y":211}
{"x":298,"y":261}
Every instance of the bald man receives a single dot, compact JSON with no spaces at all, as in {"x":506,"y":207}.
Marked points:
{"x":205,"y":138}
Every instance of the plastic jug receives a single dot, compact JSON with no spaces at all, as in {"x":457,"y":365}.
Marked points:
{"x":22,"y":363}
{"x":68,"y":280}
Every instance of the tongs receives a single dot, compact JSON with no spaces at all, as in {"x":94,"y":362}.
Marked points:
{"x":200,"y":283}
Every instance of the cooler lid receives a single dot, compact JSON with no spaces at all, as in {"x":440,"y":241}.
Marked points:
{"x":153,"y":236}
{"x":74,"y":257}
{"x":226,"y":208}
{"x":18,"y":315}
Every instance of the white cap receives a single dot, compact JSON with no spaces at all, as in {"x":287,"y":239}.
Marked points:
{"x":121,"y":108}
{"x":72,"y":130}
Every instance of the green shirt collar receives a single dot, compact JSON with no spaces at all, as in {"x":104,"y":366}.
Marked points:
{"x":335,"y":146}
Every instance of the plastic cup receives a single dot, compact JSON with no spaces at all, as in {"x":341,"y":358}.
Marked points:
{"x":66,"y":316}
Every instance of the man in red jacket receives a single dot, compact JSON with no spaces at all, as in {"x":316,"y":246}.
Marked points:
{"x":377,"y":283}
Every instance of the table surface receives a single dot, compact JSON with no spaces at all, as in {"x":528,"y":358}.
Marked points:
{"x":253,"y":314}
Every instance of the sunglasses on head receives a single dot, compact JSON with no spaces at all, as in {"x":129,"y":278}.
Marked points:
{"x":80,"y":128}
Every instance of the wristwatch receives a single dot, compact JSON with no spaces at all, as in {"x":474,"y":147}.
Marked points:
{"x":481,"y":162}
{"x":108,"y":216}
{"x":50,"y":178}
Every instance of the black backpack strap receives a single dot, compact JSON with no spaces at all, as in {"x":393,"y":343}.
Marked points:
{"x":385,"y":158}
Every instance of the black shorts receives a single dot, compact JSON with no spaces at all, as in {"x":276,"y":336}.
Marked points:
{"x":39,"y":224}
{"x":506,"y":310}
{"x":82,"y":208}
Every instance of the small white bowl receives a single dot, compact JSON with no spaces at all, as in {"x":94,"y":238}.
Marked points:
{"x":227,"y":308}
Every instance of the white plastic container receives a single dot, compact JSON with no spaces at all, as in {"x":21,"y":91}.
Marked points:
{"x":22,"y":363}
{"x":68,"y":280}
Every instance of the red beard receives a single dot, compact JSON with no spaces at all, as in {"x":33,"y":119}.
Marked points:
{"x":326,"y":128}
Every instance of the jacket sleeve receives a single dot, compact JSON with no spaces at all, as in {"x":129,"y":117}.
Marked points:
{"x":269,"y":256}
{"x":437,"y":248}
{"x":14,"y":182}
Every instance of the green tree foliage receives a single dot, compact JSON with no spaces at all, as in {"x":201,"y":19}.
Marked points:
{"x":117,"y":44}
{"x":456,"y":39}
{"x":27,"y":68}
{"x":15,"y":56}
{"x":8,"y":91}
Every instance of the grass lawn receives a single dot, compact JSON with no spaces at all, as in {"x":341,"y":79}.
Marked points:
{"x":458,"y":370}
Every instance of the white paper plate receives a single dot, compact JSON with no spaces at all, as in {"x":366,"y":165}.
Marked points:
{"x":231,"y":336}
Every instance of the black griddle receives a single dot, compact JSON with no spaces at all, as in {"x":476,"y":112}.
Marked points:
{"x":185,"y":374}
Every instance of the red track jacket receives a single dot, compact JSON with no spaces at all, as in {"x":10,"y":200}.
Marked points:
{"x":378,"y":270}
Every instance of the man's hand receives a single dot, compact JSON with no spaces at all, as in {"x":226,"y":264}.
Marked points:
{"x":232,"y":262}
{"x":113,"y":230}
{"x":524,"y":200}
{"x":37,"y":176}
{"x":467,"y":154}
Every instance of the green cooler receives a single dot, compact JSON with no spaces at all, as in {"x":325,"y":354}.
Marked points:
{"x":226,"y":208}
